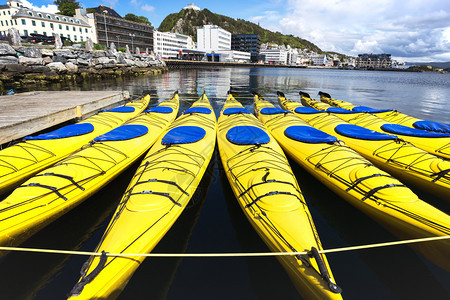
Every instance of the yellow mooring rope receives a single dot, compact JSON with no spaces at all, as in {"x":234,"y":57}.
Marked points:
{"x":208,"y":255}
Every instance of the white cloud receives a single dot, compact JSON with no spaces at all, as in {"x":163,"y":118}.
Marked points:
{"x":414,"y":28}
{"x":147,"y":8}
{"x":44,"y":8}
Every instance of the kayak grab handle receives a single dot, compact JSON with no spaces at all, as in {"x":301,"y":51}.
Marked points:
{"x":323,"y":271}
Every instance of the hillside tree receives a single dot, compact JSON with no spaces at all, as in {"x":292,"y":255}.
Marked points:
{"x":67,"y":7}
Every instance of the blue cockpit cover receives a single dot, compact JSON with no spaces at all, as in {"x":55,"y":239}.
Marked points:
{"x":247,"y":135}
{"x":358,"y":132}
{"x":273,"y":111}
{"x":64,"y":132}
{"x":432,"y":126}
{"x":183,"y":135}
{"x":369,"y":109}
{"x":307,"y":110}
{"x":199,"y":110}
{"x":338,"y":110}
{"x":160,"y":109}
{"x":400,"y":129}
{"x":236,"y":110}
{"x":122,"y":133}
{"x":307,"y":134}
{"x":120,"y":109}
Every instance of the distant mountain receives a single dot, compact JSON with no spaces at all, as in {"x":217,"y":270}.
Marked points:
{"x":188,"y":20}
{"x":442,"y":65}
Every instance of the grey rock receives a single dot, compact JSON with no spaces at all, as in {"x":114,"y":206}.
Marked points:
{"x":14,"y":37}
{"x":30,"y":52}
{"x":65,"y":53}
{"x":109,"y":66}
{"x":47,"y":52}
{"x":127,"y":50}
{"x":112,"y":47}
{"x":59,"y":67}
{"x":31,"y":60}
{"x":141,"y":64}
{"x":99,"y":53}
{"x":40,"y":69}
{"x":72,"y":60}
{"x":85,"y":55}
{"x":16,"y":68}
{"x":129,"y":62}
{"x":98,"y":66}
{"x":47,"y":60}
{"x":89,"y":45}
{"x":6,"y":49}
{"x":60,"y":59}
{"x":121,"y":59}
{"x":71,"y":67}
{"x":102,"y":60}
{"x":83,"y":62}
{"x":58,"y":41}
{"x":8,"y":60}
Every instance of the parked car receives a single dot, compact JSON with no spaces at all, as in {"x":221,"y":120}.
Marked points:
{"x":40,"y":38}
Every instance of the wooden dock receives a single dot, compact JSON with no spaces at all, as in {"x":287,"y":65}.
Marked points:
{"x":27,"y":113}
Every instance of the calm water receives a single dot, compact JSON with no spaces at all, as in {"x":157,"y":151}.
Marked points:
{"x":213,"y":222}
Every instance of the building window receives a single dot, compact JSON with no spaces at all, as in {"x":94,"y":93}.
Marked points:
{"x":51,"y":25}
{"x":33,"y":22}
{"x":35,"y":31}
{"x":71,"y":20}
{"x":67,"y":27}
{"x":74,"y":28}
{"x":68,"y":36}
{"x":49,"y":17}
{"x":57,"y":18}
{"x":25,"y":32}
{"x":45,"y":33}
{"x":24,"y":22}
{"x":86,"y":30}
{"x":6,"y":22}
{"x":43,"y":24}
{"x":60,"y":26}
{"x":9,"y":13}
{"x":75,"y":37}
{"x":78,"y":21}
{"x":64,"y":19}
{"x":2,"y":23}
{"x":81,"y":30}
{"x":15,"y":21}
{"x":40,"y":15}
{"x":81,"y":38}
{"x":30,"y":13}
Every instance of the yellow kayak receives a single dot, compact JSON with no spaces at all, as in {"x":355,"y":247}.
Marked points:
{"x":158,"y":193}
{"x":353,"y":178}
{"x":268,"y":193}
{"x":436,"y":143}
{"x":389,"y":115}
{"x":404,"y":161}
{"x":56,"y":190}
{"x":35,"y":153}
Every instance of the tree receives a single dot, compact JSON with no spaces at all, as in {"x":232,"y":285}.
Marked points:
{"x":138,"y":19}
{"x":67,"y":7}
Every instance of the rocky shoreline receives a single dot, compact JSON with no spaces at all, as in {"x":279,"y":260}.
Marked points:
{"x":20,"y":65}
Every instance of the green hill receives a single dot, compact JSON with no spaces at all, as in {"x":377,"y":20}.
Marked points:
{"x":188,"y":20}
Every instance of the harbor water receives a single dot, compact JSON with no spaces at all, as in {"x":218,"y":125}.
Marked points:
{"x":214,"y":223}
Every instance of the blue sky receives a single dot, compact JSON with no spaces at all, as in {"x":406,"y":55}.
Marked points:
{"x":411,"y":30}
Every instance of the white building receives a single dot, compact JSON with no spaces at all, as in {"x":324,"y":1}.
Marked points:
{"x":29,"y":21}
{"x":213,"y":38}
{"x":192,"y":6}
{"x":319,"y":60}
{"x":168,"y":44}
{"x":275,"y":55}
{"x":234,"y":56}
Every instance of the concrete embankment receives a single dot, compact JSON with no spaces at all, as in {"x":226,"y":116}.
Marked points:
{"x":30,"y":66}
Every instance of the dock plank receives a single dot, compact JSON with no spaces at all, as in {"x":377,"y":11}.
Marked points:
{"x":27,"y":113}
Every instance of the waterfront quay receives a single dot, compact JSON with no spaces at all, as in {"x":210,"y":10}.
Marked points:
{"x":187,"y":64}
{"x":27,"y":113}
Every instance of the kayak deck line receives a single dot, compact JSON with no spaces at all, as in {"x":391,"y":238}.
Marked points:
{"x":237,"y":254}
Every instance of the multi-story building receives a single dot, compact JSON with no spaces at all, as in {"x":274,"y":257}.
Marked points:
{"x":169,"y":45}
{"x":275,"y":55}
{"x":373,"y":61}
{"x":213,"y":38}
{"x":247,"y":43}
{"x":234,"y":56}
{"x":28,"y":21}
{"x":319,"y":60}
{"x":111,"y":27}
